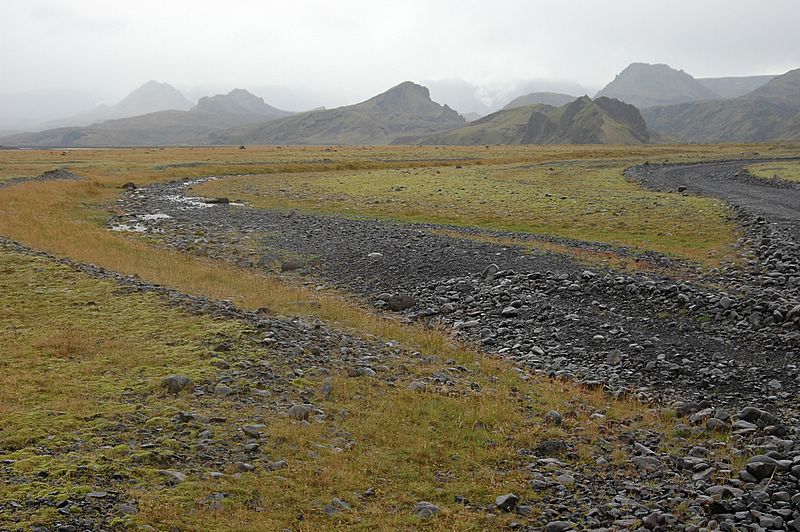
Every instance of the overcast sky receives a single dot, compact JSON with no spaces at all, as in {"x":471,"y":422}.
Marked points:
{"x":345,"y":51}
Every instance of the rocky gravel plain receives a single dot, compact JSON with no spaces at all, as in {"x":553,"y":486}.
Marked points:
{"x":730,"y":336}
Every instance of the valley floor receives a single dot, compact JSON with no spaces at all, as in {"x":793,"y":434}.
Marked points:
{"x":290,"y":363}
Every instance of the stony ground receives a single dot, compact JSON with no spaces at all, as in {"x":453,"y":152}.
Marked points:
{"x":730,"y":337}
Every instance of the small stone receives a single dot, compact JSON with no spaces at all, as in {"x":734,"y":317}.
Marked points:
{"x":554,"y":418}
{"x":278,"y":464}
{"x":97,"y":495}
{"x":220,"y":363}
{"x":291,"y":265}
{"x":566,"y":479}
{"x":172,"y":477}
{"x":654,"y":521}
{"x":244,"y":467}
{"x":750,"y":414}
{"x":509,"y":312}
{"x":300,"y":412}
{"x":416,"y":386}
{"x":741,"y":424}
{"x":398,"y":303}
{"x":698,"y":452}
{"x":558,"y":526}
{"x":761,"y":466}
{"x":128,"y":508}
{"x":506,"y":502}
{"x":614,"y":357}
{"x":327,"y":389}
{"x":775,"y":384}
{"x":647,"y":463}
{"x":176,"y":383}
{"x":551,"y":448}
{"x":425,"y":509}
{"x":717,"y":425}
{"x":223,"y":390}
{"x":489,"y":272}
{"x":253,"y":431}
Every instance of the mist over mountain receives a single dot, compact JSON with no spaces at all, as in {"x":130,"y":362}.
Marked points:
{"x":162,"y":127}
{"x":734,"y":86}
{"x":770,"y":112}
{"x":239,"y":102}
{"x":547,"y":98}
{"x":645,"y":85}
{"x":26,"y":111}
{"x":406,"y":109}
{"x":408,"y":112}
{"x":582,"y":121}
{"x":467,"y":97}
{"x":149,"y":98}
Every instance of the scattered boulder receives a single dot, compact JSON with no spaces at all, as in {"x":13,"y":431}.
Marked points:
{"x":553,"y":418}
{"x":558,"y":526}
{"x":300,"y":412}
{"x":506,"y":502}
{"x":253,"y":431}
{"x":489,"y":272}
{"x":172,"y":477}
{"x":399,"y":303}
{"x":326,"y":389}
{"x":425,"y":510}
{"x":176,"y":383}
{"x":291,"y":265}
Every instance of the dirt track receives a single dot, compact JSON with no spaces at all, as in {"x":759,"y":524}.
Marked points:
{"x":774,"y":200}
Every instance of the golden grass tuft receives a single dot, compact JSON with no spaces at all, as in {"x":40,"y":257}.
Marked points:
{"x":65,"y":343}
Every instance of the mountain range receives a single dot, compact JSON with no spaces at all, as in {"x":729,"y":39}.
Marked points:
{"x":556,"y":99}
{"x":402,"y":111}
{"x":770,"y":112}
{"x":149,"y":98}
{"x":644,"y":103}
{"x":160,"y":128}
{"x":581,"y":121}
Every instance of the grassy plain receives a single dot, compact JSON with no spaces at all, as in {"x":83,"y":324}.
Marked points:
{"x":81,"y":360}
{"x":787,"y":171}
{"x":583,"y":200}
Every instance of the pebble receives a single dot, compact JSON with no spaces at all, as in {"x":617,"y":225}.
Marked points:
{"x":176,"y":383}
{"x":425,"y":510}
